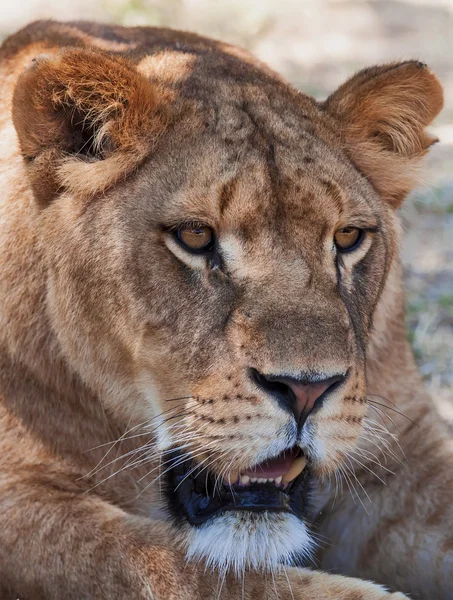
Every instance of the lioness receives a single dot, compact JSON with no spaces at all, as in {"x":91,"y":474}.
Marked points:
{"x":201,"y":318}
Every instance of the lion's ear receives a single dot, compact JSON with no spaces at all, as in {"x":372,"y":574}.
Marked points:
{"x":84,"y":120}
{"x":382,"y":113}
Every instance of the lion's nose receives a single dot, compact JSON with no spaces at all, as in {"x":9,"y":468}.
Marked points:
{"x":298,"y":395}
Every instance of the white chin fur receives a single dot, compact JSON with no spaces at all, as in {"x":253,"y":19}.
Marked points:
{"x":247,"y":540}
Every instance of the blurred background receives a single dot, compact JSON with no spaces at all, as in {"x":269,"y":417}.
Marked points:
{"x":317,"y":44}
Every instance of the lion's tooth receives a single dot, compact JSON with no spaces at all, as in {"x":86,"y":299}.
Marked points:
{"x":297,"y":467}
{"x":231,"y":478}
{"x":245,"y":479}
{"x":260,"y":480}
{"x":252,"y":479}
{"x":270,"y":480}
{"x":278,"y":480}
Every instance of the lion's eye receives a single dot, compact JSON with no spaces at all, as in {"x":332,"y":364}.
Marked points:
{"x":195,"y":238}
{"x":348,"y":238}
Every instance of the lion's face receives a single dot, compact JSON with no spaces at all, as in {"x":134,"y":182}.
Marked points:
{"x":231,"y":280}
{"x":263,"y":330}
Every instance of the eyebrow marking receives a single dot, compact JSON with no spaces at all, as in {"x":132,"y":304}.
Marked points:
{"x":226,"y":194}
{"x":335,"y":192}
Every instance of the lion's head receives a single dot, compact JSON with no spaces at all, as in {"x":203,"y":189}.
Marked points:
{"x":217,"y":244}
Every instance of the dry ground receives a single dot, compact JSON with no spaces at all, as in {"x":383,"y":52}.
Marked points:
{"x":317,"y":44}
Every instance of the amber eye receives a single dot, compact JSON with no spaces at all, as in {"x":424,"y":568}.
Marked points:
{"x":348,"y":238}
{"x":195,"y":238}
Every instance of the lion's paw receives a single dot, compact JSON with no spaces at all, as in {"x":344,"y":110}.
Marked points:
{"x":302,"y":584}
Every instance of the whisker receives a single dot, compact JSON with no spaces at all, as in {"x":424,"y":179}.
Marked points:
{"x":130,"y":453}
{"x":177,"y":415}
{"x":289,"y":583}
{"x":380,"y":413}
{"x":221,"y":582}
{"x":351,"y":470}
{"x":227,"y":468}
{"x":356,"y":460}
{"x":198,"y":465}
{"x":348,"y":474}
{"x":181,"y":398}
{"x":386,"y":431}
{"x":345,"y":477}
{"x":117,"y":440}
{"x":142,"y":460}
{"x":187,"y":457}
{"x":123,"y":437}
{"x":109,"y":450}
{"x":177,"y":460}
{"x":277,"y":595}
{"x":390,"y":408}
{"x":376,"y":462}
{"x":382,"y":445}
{"x":123,"y":467}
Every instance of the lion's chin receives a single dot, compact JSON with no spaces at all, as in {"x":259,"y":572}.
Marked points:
{"x":240,"y":540}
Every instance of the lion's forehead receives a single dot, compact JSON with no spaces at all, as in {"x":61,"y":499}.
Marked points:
{"x":258,"y":162}
{"x":268,"y":194}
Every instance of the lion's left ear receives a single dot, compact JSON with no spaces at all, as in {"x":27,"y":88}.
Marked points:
{"x":84,"y":120}
{"x":382,"y":113}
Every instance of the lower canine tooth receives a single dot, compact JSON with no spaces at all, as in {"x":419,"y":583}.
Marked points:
{"x":297,"y":467}
{"x":231,"y":478}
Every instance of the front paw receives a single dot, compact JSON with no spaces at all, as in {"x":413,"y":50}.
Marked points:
{"x":302,"y":584}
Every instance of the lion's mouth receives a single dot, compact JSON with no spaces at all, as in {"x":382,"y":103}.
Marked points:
{"x":280,"y":484}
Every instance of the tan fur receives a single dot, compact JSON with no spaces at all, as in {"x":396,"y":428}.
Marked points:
{"x":115,"y":343}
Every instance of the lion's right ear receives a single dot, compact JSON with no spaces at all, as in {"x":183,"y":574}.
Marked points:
{"x":84,"y":119}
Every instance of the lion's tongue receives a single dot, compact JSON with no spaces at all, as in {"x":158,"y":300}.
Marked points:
{"x":287,"y":465}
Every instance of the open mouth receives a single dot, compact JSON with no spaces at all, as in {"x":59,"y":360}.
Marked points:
{"x":280,"y":484}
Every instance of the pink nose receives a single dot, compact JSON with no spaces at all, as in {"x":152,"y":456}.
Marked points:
{"x":298,"y":395}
